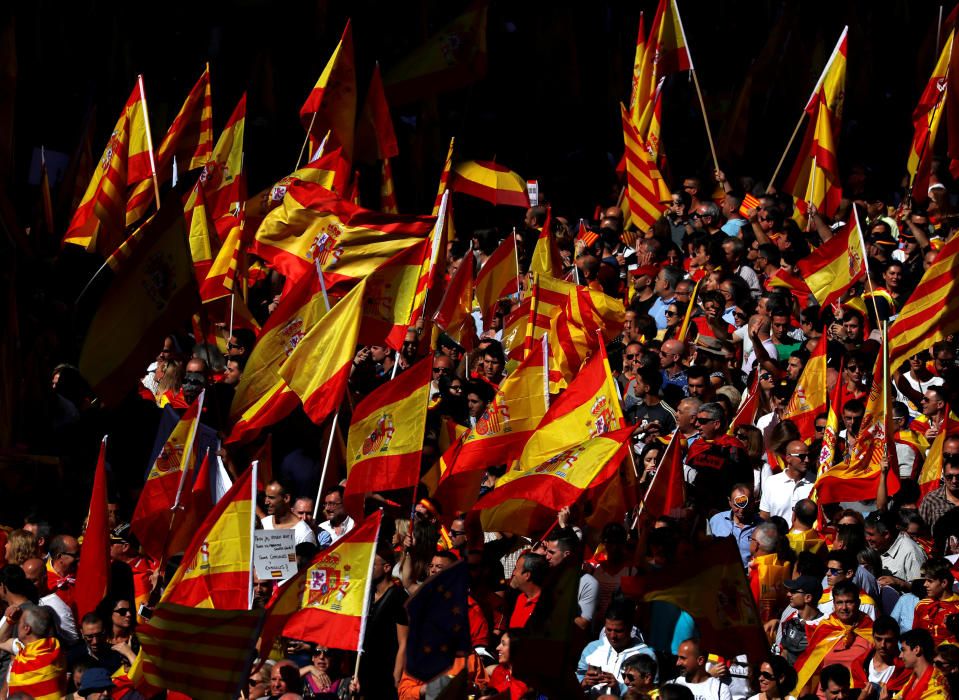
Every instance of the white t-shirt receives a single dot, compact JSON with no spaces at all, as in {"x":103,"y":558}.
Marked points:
{"x":66,"y":621}
{"x":780,"y":494}
{"x":879,"y":677}
{"x":710,"y":689}
{"x":301,"y":531}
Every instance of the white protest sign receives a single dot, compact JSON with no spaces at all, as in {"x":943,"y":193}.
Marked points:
{"x":274,"y":554}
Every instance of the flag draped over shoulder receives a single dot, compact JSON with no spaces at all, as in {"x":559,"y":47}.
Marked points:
{"x":824,"y":637}
{"x":815,"y":176}
{"x":313,"y":224}
{"x":93,"y":572}
{"x":527,"y":497}
{"x":215,"y":571}
{"x":327,"y":602}
{"x":331,"y":104}
{"x":153,"y":292}
{"x":453,"y":57}
{"x":99,"y":222}
{"x":809,"y":397}
{"x":385,"y":441}
{"x":498,"y":278}
{"x":439,"y":623}
{"x":724,"y":610}
{"x":39,"y":670}
{"x":932,"y":311}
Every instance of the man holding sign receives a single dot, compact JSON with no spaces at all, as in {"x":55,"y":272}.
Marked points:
{"x":281,"y":516}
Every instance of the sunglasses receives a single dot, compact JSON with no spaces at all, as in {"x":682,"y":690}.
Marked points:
{"x":456,"y":387}
{"x":234,"y":346}
{"x":442,"y":370}
{"x":321,"y":651}
{"x":800,"y":455}
{"x":630,"y":677}
{"x":820,"y":428}
{"x":700,"y":420}
{"x":670,"y":314}
{"x":123,"y":611}
{"x":766,"y":376}
{"x":767,"y":676}
{"x":631,"y":356}
{"x":832,"y":571}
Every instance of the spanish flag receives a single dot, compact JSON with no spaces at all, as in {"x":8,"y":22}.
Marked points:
{"x":455,"y":313}
{"x":99,"y":223}
{"x":319,"y":367}
{"x":526,"y":498}
{"x":385,"y":444}
{"x":830,"y":436}
{"x":390,"y":298}
{"x":189,"y":141}
{"x":222,"y":176}
{"x":824,"y":636}
{"x":327,"y":603}
{"x":835,"y":266}
{"x":39,"y":670}
{"x":666,"y":494}
{"x":203,"y":243}
{"x":315,"y":225}
{"x":161,"y":493}
{"x":932,"y":311}
{"x":216,"y":567}
{"x":639,"y":91}
{"x":809,"y":397}
{"x":451,"y":58}
{"x":274,"y":405}
{"x":375,"y":137}
{"x":93,"y":572}
{"x":221,"y":277}
{"x":499,"y":435}
{"x":498,"y":278}
{"x":153,"y":292}
{"x":195,"y":505}
{"x":444,"y":178}
{"x":331,"y":104}
{"x":815,"y":176}
{"x":546,"y":259}
{"x":931,"y":473}
{"x":925,"y":123}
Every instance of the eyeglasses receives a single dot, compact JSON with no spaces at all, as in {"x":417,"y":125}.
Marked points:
{"x":820,"y":428}
{"x":700,"y":420}
{"x":95,"y":635}
{"x":800,"y":455}
{"x":939,"y":663}
{"x":234,"y":346}
{"x":630,"y":356}
{"x":630,"y":677}
{"x":253,"y":681}
{"x":457,"y":533}
{"x":766,"y":376}
{"x":321,"y":651}
{"x":832,"y":571}
{"x":332,"y":504}
{"x":456,"y":387}
{"x":767,"y":676}
{"x":739,"y":314}
{"x":441,"y":370}
{"x":670,"y":314}
{"x":123,"y":611}
{"x":950,"y":477}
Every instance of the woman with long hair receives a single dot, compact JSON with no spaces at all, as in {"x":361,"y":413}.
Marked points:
{"x":502,"y":677}
{"x":775,"y":678}
{"x":21,"y":545}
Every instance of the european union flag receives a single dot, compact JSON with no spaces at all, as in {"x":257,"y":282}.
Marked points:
{"x":439,"y":623}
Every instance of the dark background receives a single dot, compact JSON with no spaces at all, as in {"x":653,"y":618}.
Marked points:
{"x":547,"y":108}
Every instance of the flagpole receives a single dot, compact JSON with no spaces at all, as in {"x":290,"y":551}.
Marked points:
{"x":545,"y":341}
{"x":326,"y":462}
{"x":516,"y":254}
{"x":865,"y":263}
{"x":232,"y":303}
{"x":146,"y":122}
{"x":366,"y":600}
{"x":699,"y":92}
{"x":782,"y":159}
{"x":938,"y":31}
{"x":188,"y":452}
{"x":309,"y":131}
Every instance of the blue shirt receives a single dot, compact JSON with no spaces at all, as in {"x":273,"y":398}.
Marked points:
{"x":733,"y":226}
{"x":680,"y":380}
{"x":658,"y":311}
{"x":721,"y":525}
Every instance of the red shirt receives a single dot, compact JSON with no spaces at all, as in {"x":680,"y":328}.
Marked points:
{"x":524,"y":608}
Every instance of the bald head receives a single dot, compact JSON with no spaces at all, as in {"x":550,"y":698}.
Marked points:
{"x":34,"y":570}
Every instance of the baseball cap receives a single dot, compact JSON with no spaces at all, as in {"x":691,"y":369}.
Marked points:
{"x":805,"y":584}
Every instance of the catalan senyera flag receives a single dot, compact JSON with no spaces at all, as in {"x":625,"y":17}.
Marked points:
{"x":331,"y":104}
{"x":830,"y":436}
{"x":153,"y":292}
{"x":666,"y":494}
{"x":153,"y":513}
{"x":836,"y":265}
{"x":455,"y":313}
{"x":313,"y":224}
{"x":932,"y":311}
{"x":815,"y":176}
{"x":586,"y":321}
{"x":189,"y":141}
{"x":99,"y":222}
{"x":526,"y":498}
{"x":588,"y":408}
{"x":925,"y":123}
{"x":585,"y":235}
{"x":319,"y":367}
{"x":93,"y":572}
{"x":499,"y":435}
{"x":327,"y":602}
{"x":391,"y":291}
{"x":646,"y":189}
{"x":724,"y":610}
{"x":546,"y":259}
{"x":444,"y":178}
{"x":299,"y":310}
{"x":39,"y":670}
{"x":931,"y":473}
{"x":858,"y":478}
{"x":222,"y":178}
{"x":498,"y":278}
{"x":196,"y":651}
{"x":216,"y":567}
{"x":453,"y":57}
{"x":385,"y":444}
{"x":809,"y":397}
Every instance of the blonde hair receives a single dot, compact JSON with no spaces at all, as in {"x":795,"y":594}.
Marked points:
{"x":173,"y":372}
{"x":22,"y":545}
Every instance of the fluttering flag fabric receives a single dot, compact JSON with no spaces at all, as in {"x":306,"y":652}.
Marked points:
{"x":526,"y":498}
{"x":498,"y":437}
{"x":99,"y":222}
{"x":203,"y":241}
{"x":444,"y":178}
{"x":491,"y":182}
{"x":327,"y":602}
{"x":387,"y":190}
{"x":639,"y":91}
{"x":154,"y":510}
{"x":154,"y":291}
{"x":498,"y":278}
{"x":932,"y":311}
{"x":835,"y":266}
{"x":385,"y":444}
{"x":390,"y":297}
{"x":39,"y":670}
{"x":930,"y":476}
{"x":453,"y":57}
{"x":746,"y":415}
{"x":824,"y":637}
{"x":319,"y":367}
{"x":724,"y":610}
{"x":925,"y":123}
{"x":375,"y":137}
{"x":814,"y":179}
{"x":830,"y":436}
{"x":666,"y":494}
{"x":454,"y":315}
{"x":221,"y":277}
{"x":93,"y":571}
{"x":331,"y":104}
{"x":222,"y":177}
{"x":195,"y":505}
{"x":439,"y":623}
{"x":809,"y":397}
{"x":646,"y":190}
{"x":313,"y":224}
{"x":189,"y":141}
{"x":546,"y":258}
{"x":216,"y":568}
